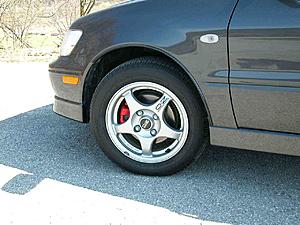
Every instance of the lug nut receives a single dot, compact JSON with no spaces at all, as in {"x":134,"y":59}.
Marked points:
{"x":137,"y":128}
{"x":155,"y":117}
{"x":153,"y":132}
{"x":140,"y":113}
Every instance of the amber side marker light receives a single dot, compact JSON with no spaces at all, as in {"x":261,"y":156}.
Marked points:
{"x":70,"y":80}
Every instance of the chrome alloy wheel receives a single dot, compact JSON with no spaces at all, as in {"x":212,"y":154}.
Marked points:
{"x":156,"y":126}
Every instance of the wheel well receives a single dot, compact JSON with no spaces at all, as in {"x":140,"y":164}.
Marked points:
{"x":111,"y":60}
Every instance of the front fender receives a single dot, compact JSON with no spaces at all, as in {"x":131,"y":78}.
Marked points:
{"x":174,"y":27}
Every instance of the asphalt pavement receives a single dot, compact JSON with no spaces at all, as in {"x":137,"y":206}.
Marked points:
{"x":225,"y":185}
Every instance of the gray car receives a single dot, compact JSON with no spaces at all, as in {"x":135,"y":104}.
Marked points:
{"x":160,"y":80}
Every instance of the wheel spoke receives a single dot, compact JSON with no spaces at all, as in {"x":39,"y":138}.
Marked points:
{"x":168,"y":132}
{"x":132,"y":102}
{"x":160,"y":105}
{"x":124,"y":128}
{"x":141,"y":131}
{"x":146,"y":144}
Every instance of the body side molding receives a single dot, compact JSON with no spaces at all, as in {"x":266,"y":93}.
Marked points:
{"x":257,"y":140}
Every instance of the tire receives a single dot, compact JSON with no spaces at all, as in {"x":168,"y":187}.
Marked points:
{"x":180,"y":123}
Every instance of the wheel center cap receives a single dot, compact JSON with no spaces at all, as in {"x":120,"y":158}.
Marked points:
{"x":146,"y":123}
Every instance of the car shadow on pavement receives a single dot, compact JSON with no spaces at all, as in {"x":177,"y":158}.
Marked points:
{"x":229,"y":185}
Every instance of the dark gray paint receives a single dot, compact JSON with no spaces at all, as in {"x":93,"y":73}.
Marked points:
{"x":68,"y":109}
{"x":264,"y":40}
{"x":258,"y":140}
{"x":264,"y":52}
{"x":172,"y":27}
{"x":267,"y":107}
{"x":71,"y":93}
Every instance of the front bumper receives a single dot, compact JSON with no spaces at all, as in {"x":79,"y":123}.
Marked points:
{"x":68,"y":109}
{"x":68,"y":98}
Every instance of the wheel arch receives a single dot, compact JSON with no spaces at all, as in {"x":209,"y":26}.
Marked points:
{"x":114,"y":56}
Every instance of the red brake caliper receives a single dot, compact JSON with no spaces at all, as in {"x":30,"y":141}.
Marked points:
{"x":124,"y":113}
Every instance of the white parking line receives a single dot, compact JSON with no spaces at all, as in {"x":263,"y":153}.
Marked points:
{"x":53,"y":202}
{"x":7,"y":173}
{"x":24,"y":87}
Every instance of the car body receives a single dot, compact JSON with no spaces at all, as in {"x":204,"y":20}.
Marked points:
{"x":243,"y":58}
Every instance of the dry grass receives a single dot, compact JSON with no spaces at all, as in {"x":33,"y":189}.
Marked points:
{"x":44,"y":40}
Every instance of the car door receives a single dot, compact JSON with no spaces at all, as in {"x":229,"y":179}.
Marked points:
{"x":264,"y":54}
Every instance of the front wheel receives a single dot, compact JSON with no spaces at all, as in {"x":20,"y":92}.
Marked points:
{"x":146,"y":118}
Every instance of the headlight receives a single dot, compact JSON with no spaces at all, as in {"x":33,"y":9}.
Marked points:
{"x":70,"y":40}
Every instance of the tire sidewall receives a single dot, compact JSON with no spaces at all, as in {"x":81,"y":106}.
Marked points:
{"x":125,"y":75}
